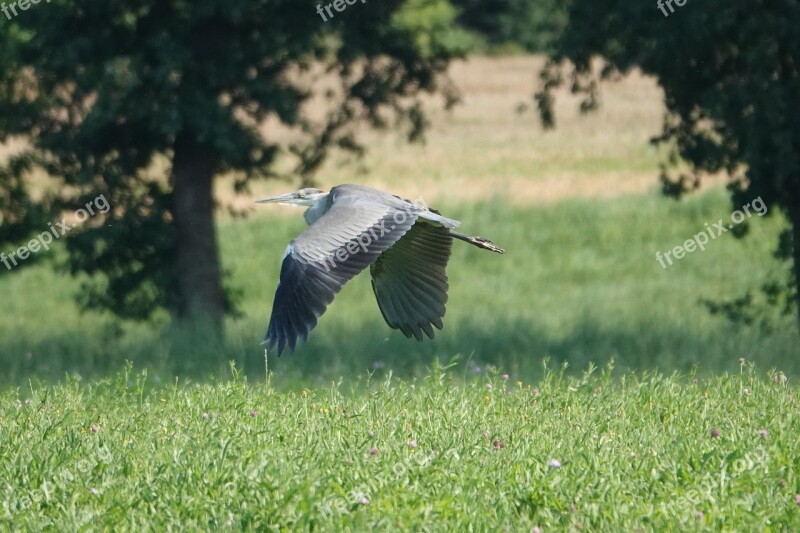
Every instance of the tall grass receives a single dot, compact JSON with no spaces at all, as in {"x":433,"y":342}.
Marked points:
{"x":578,"y":284}
{"x":584,"y":453}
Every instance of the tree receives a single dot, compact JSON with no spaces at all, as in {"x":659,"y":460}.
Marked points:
{"x":105,"y":91}
{"x":729,"y":70}
{"x":530,"y":25}
{"x":19,"y":215}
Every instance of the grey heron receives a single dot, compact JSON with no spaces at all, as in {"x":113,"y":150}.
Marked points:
{"x":406,"y":246}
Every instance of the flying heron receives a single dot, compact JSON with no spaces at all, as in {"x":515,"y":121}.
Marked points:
{"x":406,"y":246}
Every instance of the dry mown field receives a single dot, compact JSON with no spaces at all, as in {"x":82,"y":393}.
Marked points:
{"x":492,"y":144}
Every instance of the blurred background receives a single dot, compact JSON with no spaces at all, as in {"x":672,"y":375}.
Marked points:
{"x":583,"y":136}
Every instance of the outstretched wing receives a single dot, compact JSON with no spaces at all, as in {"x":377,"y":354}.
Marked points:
{"x":319,"y":261}
{"x":410,"y":282}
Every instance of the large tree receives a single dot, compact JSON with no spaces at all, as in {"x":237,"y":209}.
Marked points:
{"x":106,"y":92}
{"x":729,"y":70}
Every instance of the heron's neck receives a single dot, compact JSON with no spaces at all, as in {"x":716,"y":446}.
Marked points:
{"x":317,"y":210}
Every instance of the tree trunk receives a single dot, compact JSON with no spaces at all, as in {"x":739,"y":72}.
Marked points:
{"x":794,"y":217}
{"x":199,"y":274}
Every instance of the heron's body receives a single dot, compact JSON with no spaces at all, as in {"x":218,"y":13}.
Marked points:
{"x":406,"y":246}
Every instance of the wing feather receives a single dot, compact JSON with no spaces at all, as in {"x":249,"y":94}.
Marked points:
{"x":410,"y":280}
{"x":350,"y":236}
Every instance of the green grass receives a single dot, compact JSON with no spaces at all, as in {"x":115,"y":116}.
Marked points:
{"x":579,"y":284}
{"x":636,"y":452}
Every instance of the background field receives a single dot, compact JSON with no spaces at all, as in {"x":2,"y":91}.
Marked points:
{"x":578,"y":210}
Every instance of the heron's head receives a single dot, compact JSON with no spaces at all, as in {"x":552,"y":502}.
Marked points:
{"x":304,"y":197}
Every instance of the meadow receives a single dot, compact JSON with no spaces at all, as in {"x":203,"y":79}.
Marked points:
{"x":593,"y":452}
{"x":178,"y":430}
{"x":578,"y":209}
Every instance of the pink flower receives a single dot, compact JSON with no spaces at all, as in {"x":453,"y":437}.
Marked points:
{"x":95,"y":428}
{"x":373,"y":451}
{"x":763,"y":432}
{"x":412,"y":443}
{"x":253,"y":414}
{"x":714,"y":433}
{"x":504,"y":376}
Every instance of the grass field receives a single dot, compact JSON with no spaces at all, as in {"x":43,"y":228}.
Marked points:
{"x":136,"y":426}
{"x":591,"y":453}
{"x":580,"y":284}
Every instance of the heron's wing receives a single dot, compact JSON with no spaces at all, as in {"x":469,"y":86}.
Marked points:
{"x":319,"y":261}
{"x":410,"y":282}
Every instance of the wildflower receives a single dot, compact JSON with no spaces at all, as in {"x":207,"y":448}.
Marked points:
{"x":253,"y":414}
{"x":412,"y":443}
{"x":714,"y":433}
{"x":205,"y":416}
{"x":699,"y":515}
{"x":363,"y":500}
{"x":94,"y":491}
{"x":554,"y":463}
{"x":489,"y":386}
{"x":779,"y":377}
{"x":373,"y":451}
{"x":797,"y":499}
{"x":95,"y":428}
{"x":504,"y":376}
{"x":763,"y":432}
{"x":498,"y":444}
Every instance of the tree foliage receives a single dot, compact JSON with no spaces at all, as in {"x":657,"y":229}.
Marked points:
{"x":110,"y":94}
{"x":530,"y":25}
{"x":729,"y":71}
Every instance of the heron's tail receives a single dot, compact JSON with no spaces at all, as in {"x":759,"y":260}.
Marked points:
{"x":480,"y":242}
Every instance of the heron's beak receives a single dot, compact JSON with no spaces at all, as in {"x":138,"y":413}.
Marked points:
{"x":283,"y":199}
